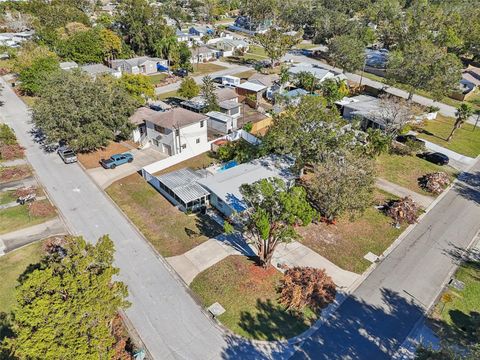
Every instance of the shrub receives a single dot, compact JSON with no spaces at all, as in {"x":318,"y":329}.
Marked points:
{"x":434,"y":182}
{"x":306,"y":286}
{"x":403,"y":211}
{"x":7,"y":136}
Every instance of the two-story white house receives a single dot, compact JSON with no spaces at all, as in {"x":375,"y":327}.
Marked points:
{"x":177,"y":130}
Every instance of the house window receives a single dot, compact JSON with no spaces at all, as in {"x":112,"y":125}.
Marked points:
{"x":184,"y":146}
{"x":202,"y":123}
{"x":159,"y":129}
{"x":177,"y":132}
{"x":198,"y":141}
{"x":155,"y":142}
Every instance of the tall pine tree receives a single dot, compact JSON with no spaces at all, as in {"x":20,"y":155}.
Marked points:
{"x":66,"y":304}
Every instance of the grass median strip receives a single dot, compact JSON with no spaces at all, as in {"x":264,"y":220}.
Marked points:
{"x":11,"y":266}
{"x":20,"y":217}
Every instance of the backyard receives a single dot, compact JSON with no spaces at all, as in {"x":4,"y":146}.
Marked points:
{"x":19,"y":217}
{"x":169,"y":230}
{"x":456,"y":314}
{"x":11,"y":266}
{"x":465,"y":141}
{"x":158,"y":78}
{"x":248,"y":293}
{"x":347,"y":242}
{"x":197,"y":162}
{"x":405,"y":170}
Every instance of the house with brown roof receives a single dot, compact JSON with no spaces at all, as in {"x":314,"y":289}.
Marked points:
{"x":176,"y":130}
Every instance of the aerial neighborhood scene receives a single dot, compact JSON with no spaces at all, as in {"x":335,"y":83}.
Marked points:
{"x":239,"y":179}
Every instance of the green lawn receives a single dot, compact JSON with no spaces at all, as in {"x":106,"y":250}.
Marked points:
{"x":454,"y":311}
{"x":405,"y":170}
{"x":18,"y":217}
{"x":169,"y":230}
{"x":465,"y":141}
{"x":206,"y":68}
{"x":257,"y":50}
{"x":248,"y":294}
{"x":168,"y":94}
{"x":305,"y":46}
{"x":157,"y":78}
{"x":11,"y":266}
{"x":348,"y":241}
{"x":7,"y":197}
{"x":245,"y":74}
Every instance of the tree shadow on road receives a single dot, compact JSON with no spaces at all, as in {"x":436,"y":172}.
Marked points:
{"x":356,"y":330}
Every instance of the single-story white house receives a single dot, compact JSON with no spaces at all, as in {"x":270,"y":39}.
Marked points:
{"x":229,"y":46}
{"x":221,"y":122}
{"x":224,"y":186}
{"x":204,"y":53}
{"x":95,"y":70}
{"x":140,"y":65}
{"x":319,"y":73}
{"x":176,"y":130}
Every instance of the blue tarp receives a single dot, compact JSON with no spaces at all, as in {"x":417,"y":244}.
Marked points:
{"x":161,"y":67}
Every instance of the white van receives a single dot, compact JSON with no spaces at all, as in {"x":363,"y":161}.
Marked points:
{"x":230,"y":81}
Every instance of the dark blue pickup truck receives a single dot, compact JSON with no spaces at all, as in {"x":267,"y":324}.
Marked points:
{"x":115,"y":160}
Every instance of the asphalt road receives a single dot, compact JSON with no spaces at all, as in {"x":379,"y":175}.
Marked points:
{"x":369,"y":325}
{"x":379,"y":315}
{"x":166,"y":317}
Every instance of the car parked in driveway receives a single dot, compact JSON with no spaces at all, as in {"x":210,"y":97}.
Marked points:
{"x":436,"y":158}
{"x":116,"y":160}
{"x":180,"y":73}
{"x":68,"y":155}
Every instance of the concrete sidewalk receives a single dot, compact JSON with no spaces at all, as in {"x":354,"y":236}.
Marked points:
{"x":296,"y":254}
{"x":14,"y":185}
{"x":16,"y":239}
{"x":207,"y":254}
{"x":423,"y":200}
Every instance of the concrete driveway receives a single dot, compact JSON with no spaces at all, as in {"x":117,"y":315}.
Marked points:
{"x":105,"y":178}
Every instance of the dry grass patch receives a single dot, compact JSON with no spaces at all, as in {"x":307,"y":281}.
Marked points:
{"x":22,"y":216}
{"x":14,"y":173}
{"x":169,"y":230}
{"x":92,"y":159}
{"x":249,"y":295}
{"x":347,"y":242}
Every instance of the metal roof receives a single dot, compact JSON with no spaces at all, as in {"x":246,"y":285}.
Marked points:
{"x":217,"y":115}
{"x":251,"y":86}
{"x":184,"y":184}
{"x":226,"y":184}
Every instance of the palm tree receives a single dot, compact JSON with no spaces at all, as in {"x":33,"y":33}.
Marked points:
{"x":166,"y":46}
{"x":464,"y":111}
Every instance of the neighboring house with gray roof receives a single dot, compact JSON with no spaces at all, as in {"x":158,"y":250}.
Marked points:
{"x":176,"y":130}
{"x":221,"y":123}
{"x":227,"y":100}
{"x":95,"y":70}
{"x":229,"y":46}
{"x":203,"y":54}
{"x":139,"y":65}
{"x":319,"y":73}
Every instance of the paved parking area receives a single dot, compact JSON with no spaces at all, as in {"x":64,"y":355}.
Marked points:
{"x":143,"y":157}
